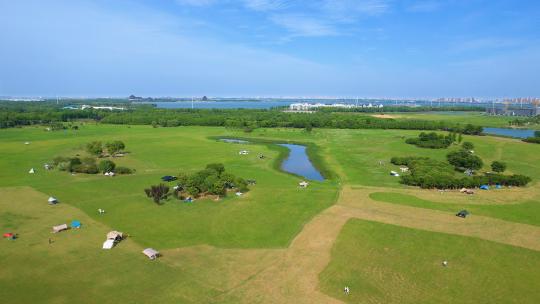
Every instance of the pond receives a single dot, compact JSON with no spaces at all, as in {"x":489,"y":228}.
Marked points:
{"x":297,"y":162}
{"x":516,"y":133}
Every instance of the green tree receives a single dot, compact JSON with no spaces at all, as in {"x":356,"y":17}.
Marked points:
{"x":106,"y":165}
{"x":467,"y":146}
{"x":460,"y":138}
{"x":463,"y":160}
{"x":498,"y":166}
{"x":94,"y":148}
{"x":115,"y":147}
{"x":157,"y":193}
{"x":218,"y":167}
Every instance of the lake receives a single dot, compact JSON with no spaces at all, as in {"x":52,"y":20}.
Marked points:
{"x":516,"y":133}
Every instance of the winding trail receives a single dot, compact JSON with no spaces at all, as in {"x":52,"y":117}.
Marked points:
{"x":294,"y":277}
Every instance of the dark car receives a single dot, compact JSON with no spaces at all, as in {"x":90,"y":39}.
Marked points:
{"x":168,"y":178}
{"x":462,"y":213}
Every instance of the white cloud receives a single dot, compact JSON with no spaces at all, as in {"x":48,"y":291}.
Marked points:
{"x":425,"y":6}
{"x":355,"y":7}
{"x":299,"y":25}
{"x":265,"y":5}
{"x":196,"y":2}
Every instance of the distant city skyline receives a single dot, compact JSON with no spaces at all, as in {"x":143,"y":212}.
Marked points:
{"x":408,"y":49}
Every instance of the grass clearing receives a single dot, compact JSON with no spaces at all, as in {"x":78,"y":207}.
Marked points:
{"x":381,"y":263}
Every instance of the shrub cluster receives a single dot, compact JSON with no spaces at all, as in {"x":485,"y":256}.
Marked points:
{"x":212,"y":180}
{"x":429,"y":173}
{"x":432,"y":140}
{"x":535,"y":139}
{"x":88,"y":165}
{"x":98,"y":149}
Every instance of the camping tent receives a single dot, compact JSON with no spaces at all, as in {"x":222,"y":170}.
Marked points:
{"x":75,"y":224}
{"x":303,"y":184}
{"x":52,"y":200}
{"x":484,"y":187}
{"x":108,"y":244}
{"x":115,"y":235}
{"x":168,"y":178}
{"x":9,"y":235}
{"x":151,"y":253}
{"x":32,"y":171}
{"x":59,"y":228}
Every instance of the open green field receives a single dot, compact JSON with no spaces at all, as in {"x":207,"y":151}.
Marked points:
{"x":221,"y":251}
{"x":475,"y":118}
{"x":383,"y":263}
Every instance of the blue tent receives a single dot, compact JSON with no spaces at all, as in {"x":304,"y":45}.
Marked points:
{"x":484,"y":187}
{"x":498,"y":186}
{"x":75,"y":224}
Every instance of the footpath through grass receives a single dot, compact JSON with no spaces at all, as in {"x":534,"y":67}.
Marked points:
{"x":526,"y":213}
{"x":383,"y":263}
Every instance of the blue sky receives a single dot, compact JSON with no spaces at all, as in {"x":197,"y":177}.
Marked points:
{"x":339,"y":48}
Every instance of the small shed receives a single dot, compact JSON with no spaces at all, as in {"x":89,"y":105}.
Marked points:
{"x":108,"y":244}
{"x":59,"y":228}
{"x":115,"y":235}
{"x":303,"y":184}
{"x":151,"y":253}
{"x":52,"y":200}
{"x":462,"y":214}
{"x":76,"y":224}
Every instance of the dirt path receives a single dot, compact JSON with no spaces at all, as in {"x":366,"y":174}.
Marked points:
{"x":294,"y":277}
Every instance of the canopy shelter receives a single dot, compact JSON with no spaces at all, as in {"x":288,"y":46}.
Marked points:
{"x":151,"y":253}
{"x":108,"y":244}
{"x":59,"y":228}
{"x":52,"y":200}
{"x":462,"y":213}
{"x":75,"y":224}
{"x":115,"y":235}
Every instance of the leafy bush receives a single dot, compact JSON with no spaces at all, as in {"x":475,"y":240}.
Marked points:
{"x":123,"y":170}
{"x":432,"y":140}
{"x":498,"y":166}
{"x":533,"y":140}
{"x":94,"y":148}
{"x":212,"y":180}
{"x":463,"y":160}
{"x":115,"y":147}
{"x":467,"y":146}
{"x":404,"y":161}
{"x":85,"y":168}
{"x":106,"y":165}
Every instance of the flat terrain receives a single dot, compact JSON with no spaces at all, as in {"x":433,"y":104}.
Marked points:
{"x":275,"y":244}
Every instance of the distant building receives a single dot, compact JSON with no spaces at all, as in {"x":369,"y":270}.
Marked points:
{"x":513,"y":112}
{"x":313,"y":106}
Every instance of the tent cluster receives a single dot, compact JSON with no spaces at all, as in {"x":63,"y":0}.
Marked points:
{"x":243,"y":152}
{"x":75,"y":224}
{"x":113,"y":238}
{"x":109,"y":173}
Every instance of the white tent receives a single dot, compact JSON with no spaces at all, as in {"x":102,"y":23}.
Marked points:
{"x":303,"y":184}
{"x":59,"y":228}
{"x":32,"y":171}
{"x":115,"y":235}
{"x":108,"y":244}
{"x":151,"y":253}
{"x":52,"y":200}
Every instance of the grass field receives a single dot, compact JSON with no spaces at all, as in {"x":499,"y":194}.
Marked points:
{"x":382,"y":263}
{"x":228,"y":251}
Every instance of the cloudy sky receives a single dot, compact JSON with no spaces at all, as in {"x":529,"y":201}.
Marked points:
{"x":339,"y":48}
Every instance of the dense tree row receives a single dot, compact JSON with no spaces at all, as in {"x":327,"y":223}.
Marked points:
{"x":24,"y":113}
{"x":88,"y":165}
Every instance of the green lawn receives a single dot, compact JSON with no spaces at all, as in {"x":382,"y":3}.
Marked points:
{"x":527,"y":212}
{"x":382,"y":263}
{"x":270,"y":215}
